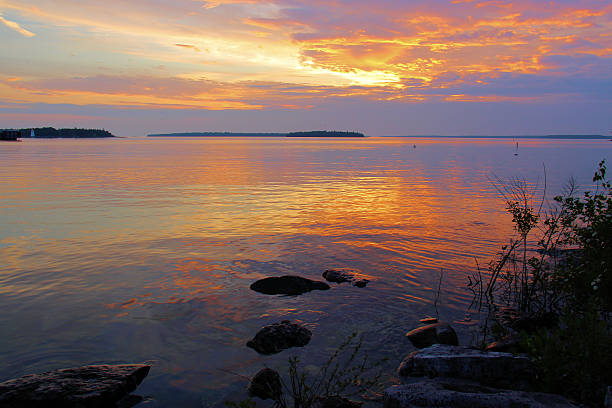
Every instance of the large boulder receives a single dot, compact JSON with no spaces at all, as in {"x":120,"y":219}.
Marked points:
{"x":453,"y":393}
{"x":82,"y":387}
{"x":287,"y":285}
{"x":276,"y":337}
{"x":503,"y":370}
{"x":266,"y":384}
{"x":436,"y":333}
{"x":340,"y":275}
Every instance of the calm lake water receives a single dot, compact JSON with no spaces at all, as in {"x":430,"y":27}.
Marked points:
{"x":134,"y":250}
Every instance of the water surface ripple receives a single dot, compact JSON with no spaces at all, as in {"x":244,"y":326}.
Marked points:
{"x":134,"y":250}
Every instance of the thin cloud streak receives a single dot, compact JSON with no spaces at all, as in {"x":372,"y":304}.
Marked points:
{"x":15,"y":26}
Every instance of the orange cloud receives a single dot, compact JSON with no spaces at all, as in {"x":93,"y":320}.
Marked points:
{"x":387,"y":50}
{"x":193,"y":47}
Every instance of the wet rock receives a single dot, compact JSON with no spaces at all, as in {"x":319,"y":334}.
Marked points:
{"x":81,"y":387}
{"x":335,"y":401}
{"x":436,"y":333}
{"x":453,"y":393}
{"x":287,"y":285}
{"x":429,"y":320}
{"x":509,"y":344}
{"x":502,"y":370}
{"x":361,"y":283}
{"x":266,"y":384}
{"x":508,"y":317}
{"x":341,"y":275}
{"x":276,"y":337}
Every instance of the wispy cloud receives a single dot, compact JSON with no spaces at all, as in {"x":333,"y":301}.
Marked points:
{"x":270,"y":54}
{"x":15,"y":26}
{"x":193,"y":47}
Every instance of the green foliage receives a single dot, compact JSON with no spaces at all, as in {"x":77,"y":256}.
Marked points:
{"x":575,"y":358}
{"x":586,"y":277}
{"x":558,"y":265}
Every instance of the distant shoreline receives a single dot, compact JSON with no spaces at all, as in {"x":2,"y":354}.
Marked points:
{"x":65,"y":133}
{"x":314,"y":133}
{"x":336,"y":134}
{"x":557,"y":137}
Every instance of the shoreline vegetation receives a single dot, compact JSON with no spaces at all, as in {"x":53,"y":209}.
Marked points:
{"x":64,"y":133}
{"x":312,"y":133}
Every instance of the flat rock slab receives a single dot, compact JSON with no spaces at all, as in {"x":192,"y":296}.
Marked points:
{"x":435,"y":333}
{"x":496,"y":369}
{"x":287,"y":285}
{"x":340,"y":275}
{"x":277,"y":337}
{"x":453,"y":393}
{"x":81,"y":387}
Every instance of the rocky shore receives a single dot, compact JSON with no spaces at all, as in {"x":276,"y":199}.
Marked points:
{"x":439,"y":373}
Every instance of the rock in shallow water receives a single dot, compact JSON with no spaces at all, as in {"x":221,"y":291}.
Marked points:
{"x":266,"y":384}
{"x":276,"y":337}
{"x":436,"y":333}
{"x":287,"y":285}
{"x":453,"y":393}
{"x":502,"y":370}
{"x":341,"y":275}
{"x":81,"y":387}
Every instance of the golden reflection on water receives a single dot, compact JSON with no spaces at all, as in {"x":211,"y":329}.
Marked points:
{"x":158,"y":240}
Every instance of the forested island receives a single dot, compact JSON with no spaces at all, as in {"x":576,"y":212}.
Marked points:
{"x":325,"y":133}
{"x":316,"y":133}
{"x":52,"y":133}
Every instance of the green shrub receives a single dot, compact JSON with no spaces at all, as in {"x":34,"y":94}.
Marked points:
{"x":568,"y":275}
{"x":573,"y":359}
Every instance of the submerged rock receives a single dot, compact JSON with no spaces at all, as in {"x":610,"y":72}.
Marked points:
{"x":502,"y":370}
{"x":341,"y":275}
{"x":266,"y":384}
{"x":276,"y":337}
{"x":287,"y":285}
{"x":453,"y":393}
{"x":81,"y":387}
{"x":436,"y":333}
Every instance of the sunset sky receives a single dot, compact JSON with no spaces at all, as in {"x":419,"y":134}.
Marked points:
{"x":412,"y":67}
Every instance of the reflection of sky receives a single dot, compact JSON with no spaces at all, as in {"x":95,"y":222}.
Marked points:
{"x":69,"y":62}
{"x":129,"y":250}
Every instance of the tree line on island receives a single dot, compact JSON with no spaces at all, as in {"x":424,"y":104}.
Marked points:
{"x":314,"y":133}
{"x":52,"y":133}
